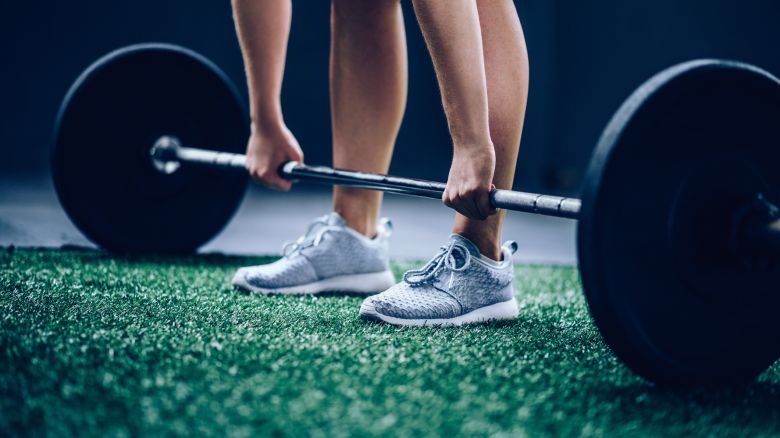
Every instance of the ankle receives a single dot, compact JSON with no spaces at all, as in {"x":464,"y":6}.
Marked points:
{"x":358,"y":221}
{"x":488,"y":246}
{"x":359,"y":208}
{"x":362,"y":226}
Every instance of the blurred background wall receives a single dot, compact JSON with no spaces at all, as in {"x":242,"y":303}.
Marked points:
{"x":586,"y":57}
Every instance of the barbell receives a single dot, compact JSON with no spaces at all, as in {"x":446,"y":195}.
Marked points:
{"x":678,"y":225}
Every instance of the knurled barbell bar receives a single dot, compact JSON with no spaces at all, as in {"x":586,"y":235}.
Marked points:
{"x":167,"y":154}
{"x":678,"y":226}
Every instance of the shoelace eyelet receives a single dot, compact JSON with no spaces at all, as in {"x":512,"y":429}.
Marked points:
{"x":445,"y":259}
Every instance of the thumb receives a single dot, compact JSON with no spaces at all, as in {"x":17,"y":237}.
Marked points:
{"x":296,"y":155}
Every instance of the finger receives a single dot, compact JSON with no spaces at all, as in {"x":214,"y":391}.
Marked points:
{"x":463,"y":212}
{"x":481,"y":203}
{"x":277,"y":187}
{"x":487,"y":206}
{"x":467,"y":208}
{"x":473,"y":202}
{"x":449,"y":198}
{"x":462,"y":205}
{"x":297,"y":155}
{"x":270,"y":180}
{"x":491,"y":209}
{"x":479,"y":207}
{"x":256,"y":176}
{"x":280,"y":184}
{"x":250,"y":168}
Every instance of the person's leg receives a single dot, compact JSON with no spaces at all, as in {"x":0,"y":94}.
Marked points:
{"x":368,"y":76}
{"x":483,"y":86}
{"x":485,"y":105}
{"x":506,"y":71}
{"x":368,"y":95}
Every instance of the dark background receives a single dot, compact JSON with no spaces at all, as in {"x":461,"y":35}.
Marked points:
{"x":586,"y":57}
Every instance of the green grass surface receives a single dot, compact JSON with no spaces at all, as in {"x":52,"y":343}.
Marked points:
{"x":97,"y":345}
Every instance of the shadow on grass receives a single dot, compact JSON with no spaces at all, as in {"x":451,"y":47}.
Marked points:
{"x":84,"y":254}
{"x":609,"y":384}
{"x":728,"y":409}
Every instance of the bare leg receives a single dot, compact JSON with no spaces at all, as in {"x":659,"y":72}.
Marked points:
{"x":368,"y":94}
{"x":506,"y":70}
{"x":485,"y":102}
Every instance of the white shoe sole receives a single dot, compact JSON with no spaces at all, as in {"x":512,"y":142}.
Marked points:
{"x":367,"y":284}
{"x":494,"y":312}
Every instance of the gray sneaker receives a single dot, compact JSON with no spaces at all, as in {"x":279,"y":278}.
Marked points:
{"x":330,"y":257}
{"x":458,"y":286}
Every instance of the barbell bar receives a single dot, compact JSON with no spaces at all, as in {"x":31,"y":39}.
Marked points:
{"x":168,"y":153}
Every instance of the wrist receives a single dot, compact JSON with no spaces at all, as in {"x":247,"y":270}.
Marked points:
{"x":474,"y":147}
{"x":267,"y":118}
{"x":470,"y":134}
{"x":267,"y":127}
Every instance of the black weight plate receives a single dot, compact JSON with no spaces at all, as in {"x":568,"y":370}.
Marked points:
{"x":106,"y":127}
{"x":683,"y":155}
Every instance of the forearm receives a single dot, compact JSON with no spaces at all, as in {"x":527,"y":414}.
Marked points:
{"x":452,"y":33}
{"x":263,"y":28}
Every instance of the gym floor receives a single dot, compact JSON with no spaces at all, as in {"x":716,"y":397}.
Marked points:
{"x":30,"y":216}
{"x":96,"y":344}
{"x":92,"y":344}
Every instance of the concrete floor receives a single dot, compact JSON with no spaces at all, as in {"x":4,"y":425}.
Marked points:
{"x":31,"y":216}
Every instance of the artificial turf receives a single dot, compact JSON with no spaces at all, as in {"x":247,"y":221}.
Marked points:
{"x":92,"y":344}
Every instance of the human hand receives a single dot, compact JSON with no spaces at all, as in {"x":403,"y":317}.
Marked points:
{"x":269,"y":148}
{"x":470,"y":182}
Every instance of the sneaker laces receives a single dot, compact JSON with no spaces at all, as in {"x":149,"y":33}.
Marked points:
{"x":444,"y":259}
{"x":312,"y":237}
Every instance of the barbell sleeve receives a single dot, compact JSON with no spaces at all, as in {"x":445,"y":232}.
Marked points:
{"x":534,"y":203}
{"x":211,"y":158}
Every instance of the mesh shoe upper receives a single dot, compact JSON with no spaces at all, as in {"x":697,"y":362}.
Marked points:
{"x":328,"y":248}
{"x":455,"y":282}
{"x":287,"y":271}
